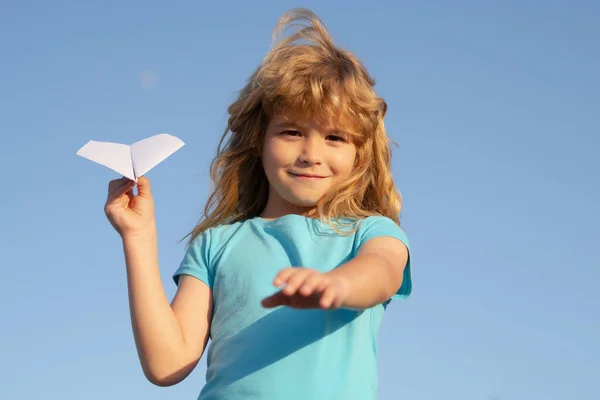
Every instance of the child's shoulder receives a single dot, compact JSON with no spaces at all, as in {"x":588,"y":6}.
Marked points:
{"x":379,"y":225}
{"x":216,"y":233}
{"x":373,"y":222}
{"x":380,"y":221}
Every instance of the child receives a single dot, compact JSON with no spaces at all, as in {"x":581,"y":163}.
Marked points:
{"x":300,"y":248}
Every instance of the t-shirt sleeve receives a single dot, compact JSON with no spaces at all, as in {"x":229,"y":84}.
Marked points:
{"x":196,"y":260}
{"x":373,"y":227}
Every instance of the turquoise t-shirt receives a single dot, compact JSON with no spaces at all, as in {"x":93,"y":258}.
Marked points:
{"x":285,"y":353}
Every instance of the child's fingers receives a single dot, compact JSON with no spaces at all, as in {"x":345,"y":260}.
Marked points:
{"x":295,"y":281}
{"x":328,"y":297}
{"x":118,"y":188}
{"x":117,"y":184}
{"x":144,"y":188}
{"x":313,"y":283}
{"x":283,"y":276}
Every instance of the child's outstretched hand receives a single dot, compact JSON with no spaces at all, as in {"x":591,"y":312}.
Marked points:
{"x":129,"y":213}
{"x":308,"y":288}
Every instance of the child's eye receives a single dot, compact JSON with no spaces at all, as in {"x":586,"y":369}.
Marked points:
{"x":336,"y":138}
{"x":291,"y":133}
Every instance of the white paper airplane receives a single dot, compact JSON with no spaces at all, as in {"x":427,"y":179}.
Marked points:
{"x":132,"y":161}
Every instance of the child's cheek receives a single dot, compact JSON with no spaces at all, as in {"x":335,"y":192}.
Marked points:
{"x":343,"y":163}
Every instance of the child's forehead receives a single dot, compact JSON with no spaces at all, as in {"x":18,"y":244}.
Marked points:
{"x":300,"y":120}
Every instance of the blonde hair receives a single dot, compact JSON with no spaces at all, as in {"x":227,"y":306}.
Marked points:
{"x":319,"y":80}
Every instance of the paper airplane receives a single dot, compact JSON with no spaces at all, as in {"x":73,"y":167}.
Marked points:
{"x":132,"y":161}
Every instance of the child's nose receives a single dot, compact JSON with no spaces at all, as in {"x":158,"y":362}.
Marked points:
{"x":312,"y":151}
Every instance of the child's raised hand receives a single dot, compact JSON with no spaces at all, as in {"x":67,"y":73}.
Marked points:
{"x":129,"y":213}
{"x":308,"y":288}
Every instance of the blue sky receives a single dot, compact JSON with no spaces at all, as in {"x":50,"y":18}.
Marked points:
{"x":495,"y":109}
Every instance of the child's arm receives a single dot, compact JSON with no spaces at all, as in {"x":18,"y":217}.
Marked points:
{"x":370,"y":278}
{"x":170,"y":338}
{"x":375,"y":274}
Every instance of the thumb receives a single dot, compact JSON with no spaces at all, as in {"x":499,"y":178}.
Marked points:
{"x":144,"y":189}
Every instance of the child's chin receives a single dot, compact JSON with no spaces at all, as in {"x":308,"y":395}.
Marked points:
{"x":305,"y":202}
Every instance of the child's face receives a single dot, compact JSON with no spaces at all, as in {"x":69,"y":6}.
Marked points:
{"x":302,"y":159}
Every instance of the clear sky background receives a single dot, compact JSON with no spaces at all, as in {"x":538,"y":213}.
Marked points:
{"x":495,"y":106}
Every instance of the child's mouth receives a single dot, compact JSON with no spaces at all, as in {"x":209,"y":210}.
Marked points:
{"x":306,"y":177}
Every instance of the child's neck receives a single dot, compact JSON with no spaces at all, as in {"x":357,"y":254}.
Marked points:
{"x":274,"y":211}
